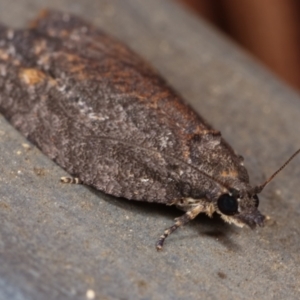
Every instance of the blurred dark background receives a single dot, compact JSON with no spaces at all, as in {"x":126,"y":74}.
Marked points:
{"x":269,"y":29}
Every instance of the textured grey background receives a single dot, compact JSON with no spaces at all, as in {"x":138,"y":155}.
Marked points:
{"x":58,"y":241}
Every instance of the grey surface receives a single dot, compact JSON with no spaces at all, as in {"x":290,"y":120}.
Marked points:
{"x":58,"y":241}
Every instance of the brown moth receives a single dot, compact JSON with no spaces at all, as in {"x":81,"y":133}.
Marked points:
{"x":106,"y":117}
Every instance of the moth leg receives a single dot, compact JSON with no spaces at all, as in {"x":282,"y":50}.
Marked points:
{"x":188,"y":216}
{"x":72,"y":180}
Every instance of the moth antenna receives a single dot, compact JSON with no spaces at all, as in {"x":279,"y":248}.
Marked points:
{"x":259,"y":188}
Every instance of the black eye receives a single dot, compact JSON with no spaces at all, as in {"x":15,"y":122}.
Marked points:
{"x":227,"y":204}
{"x":256,"y":200}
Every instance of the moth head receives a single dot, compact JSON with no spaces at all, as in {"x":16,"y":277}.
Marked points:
{"x":240,"y":209}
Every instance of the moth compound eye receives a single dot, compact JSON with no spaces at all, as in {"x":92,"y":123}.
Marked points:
{"x":256,"y":203}
{"x":227,"y":205}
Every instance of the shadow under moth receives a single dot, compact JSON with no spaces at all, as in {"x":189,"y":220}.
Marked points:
{"x":106,"y":117}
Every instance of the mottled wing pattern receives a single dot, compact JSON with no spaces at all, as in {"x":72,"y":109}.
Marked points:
{"x":105,"y":116}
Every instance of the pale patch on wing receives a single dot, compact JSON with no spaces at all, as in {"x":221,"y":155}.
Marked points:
{"x":31,"y":76}
{"x":144,"y":179}
{"x":213,"y":143}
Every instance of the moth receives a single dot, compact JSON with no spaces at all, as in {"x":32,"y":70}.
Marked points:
{"x":105,"y":116}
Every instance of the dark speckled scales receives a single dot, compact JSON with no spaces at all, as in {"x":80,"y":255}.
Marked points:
{"x":106,"y":117}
